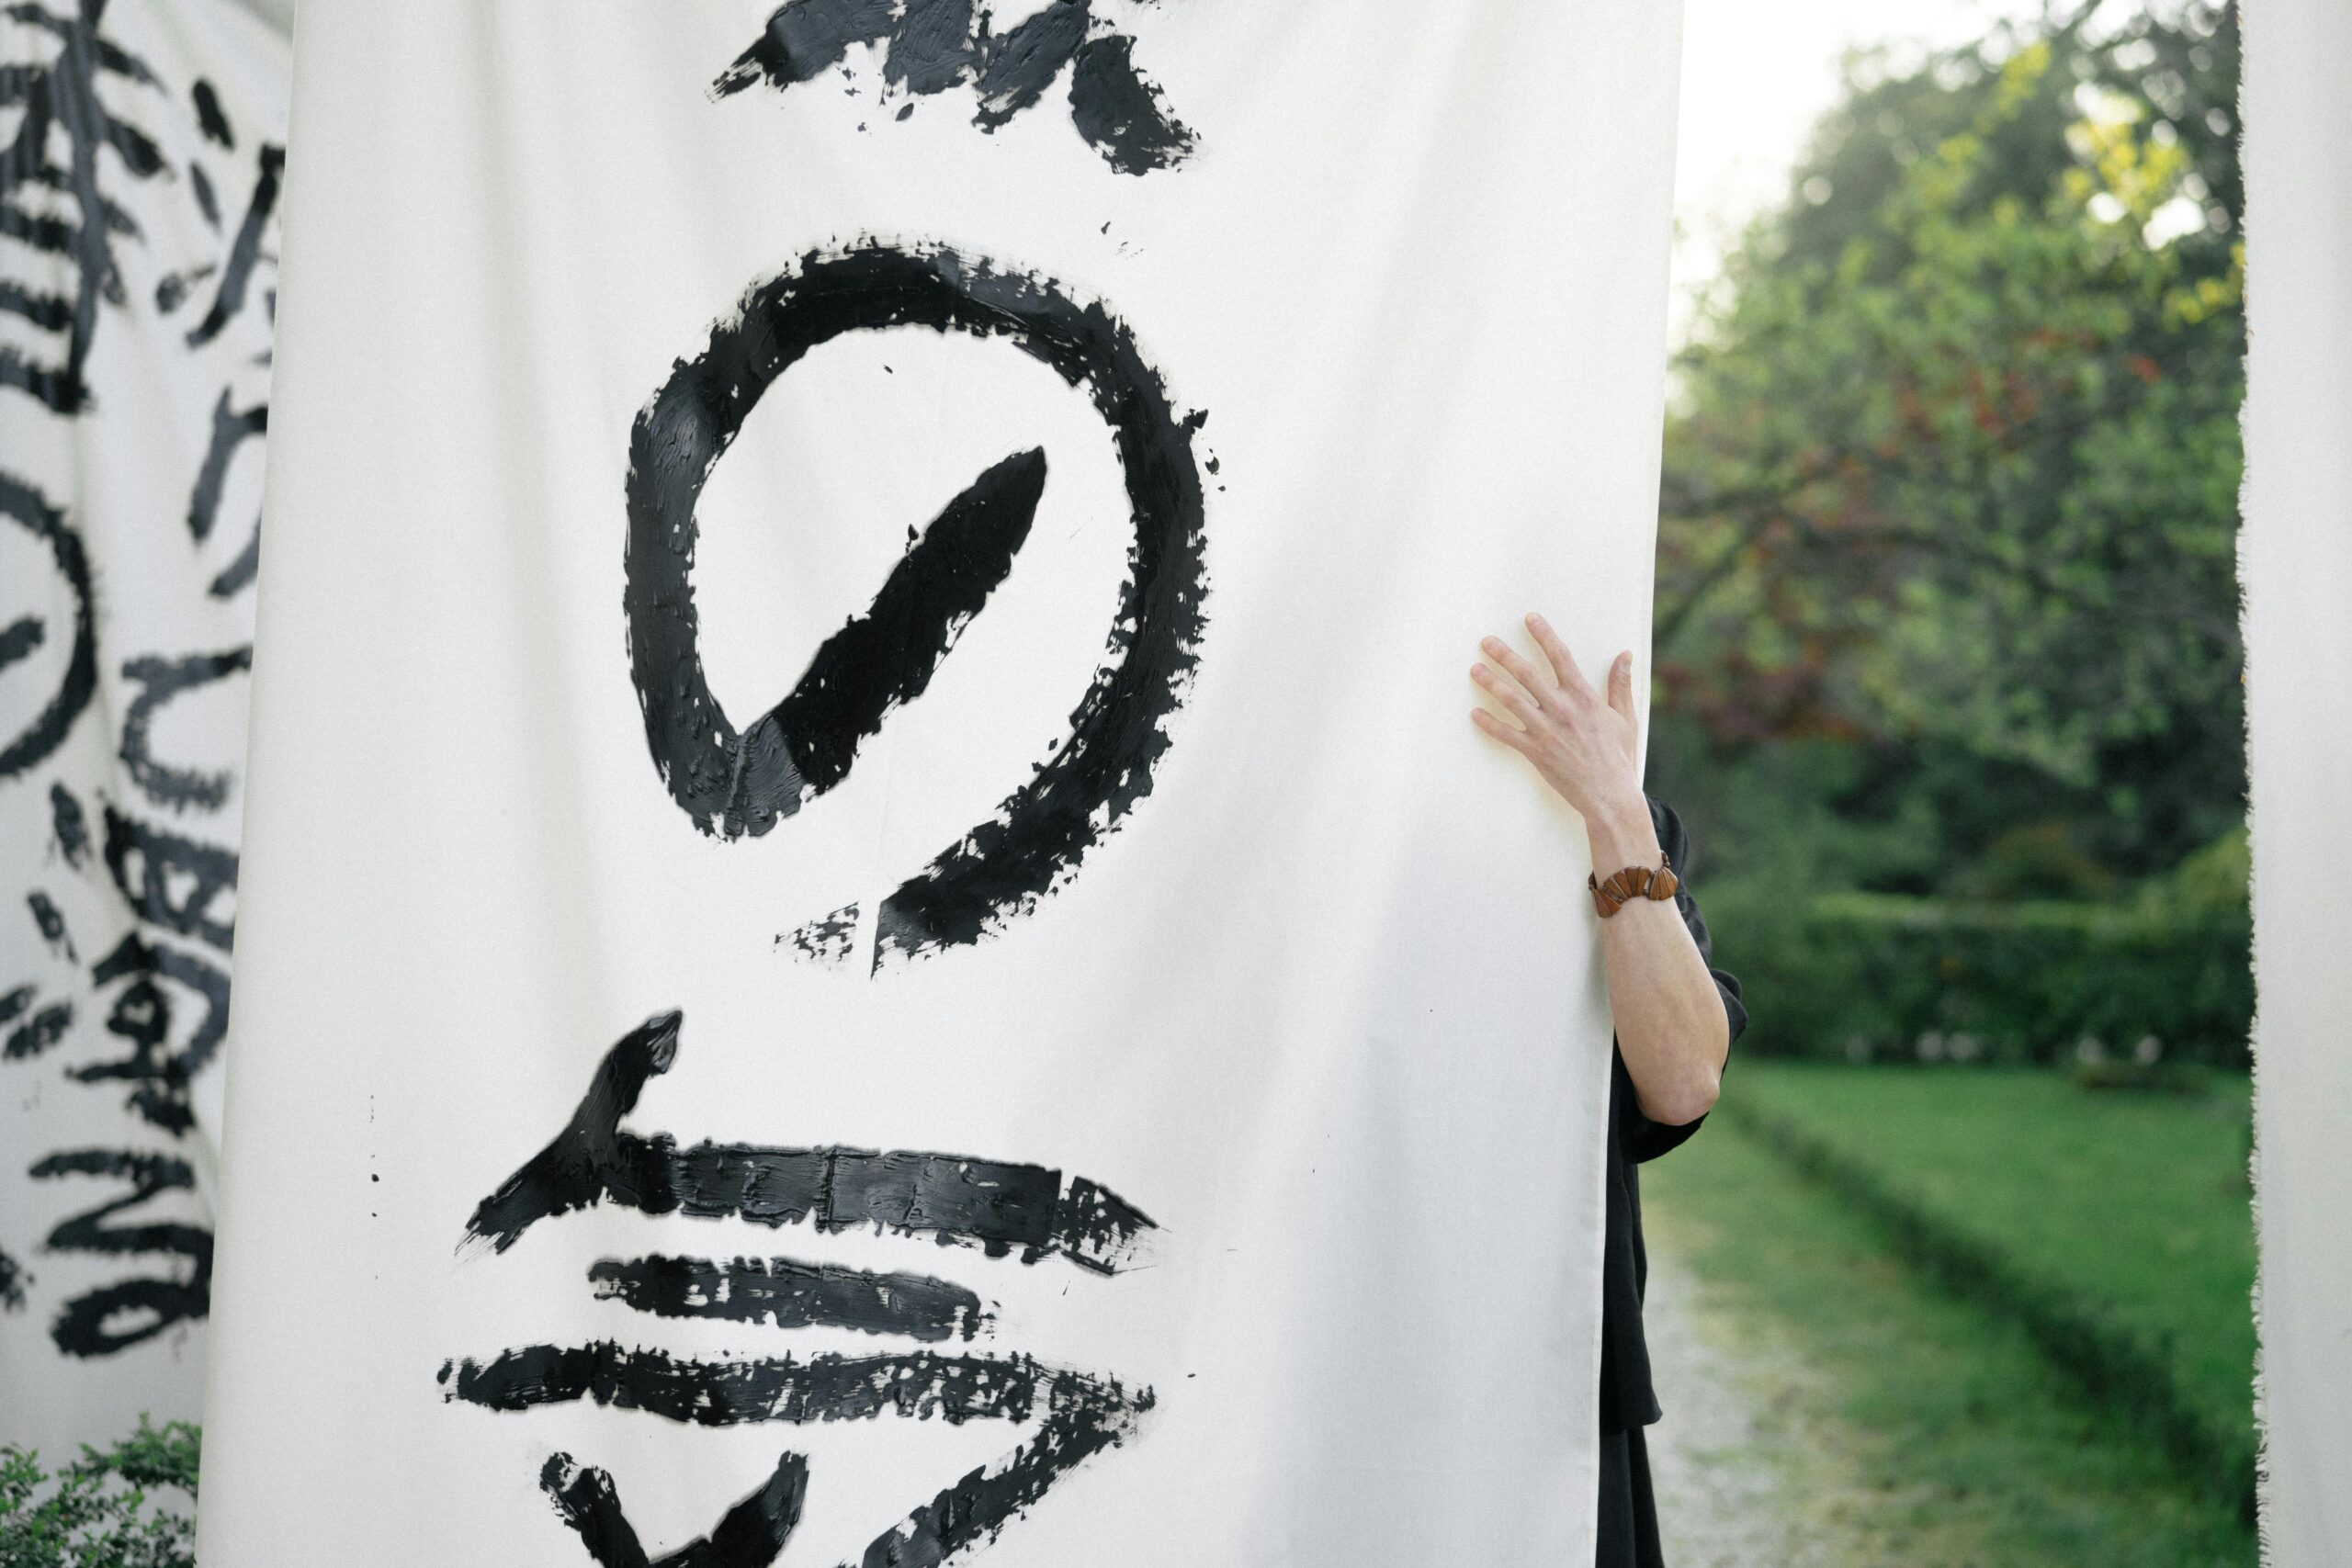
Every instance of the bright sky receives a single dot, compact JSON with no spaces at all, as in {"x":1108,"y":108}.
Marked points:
{"x":1755,"y":76}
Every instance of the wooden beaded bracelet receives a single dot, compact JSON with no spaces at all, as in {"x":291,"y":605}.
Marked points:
{"x":1657,"y":883}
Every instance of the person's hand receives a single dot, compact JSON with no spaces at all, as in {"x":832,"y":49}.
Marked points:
{"x":1582,"y":743}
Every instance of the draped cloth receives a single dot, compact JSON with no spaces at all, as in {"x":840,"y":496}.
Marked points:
{"x":873,"y":930}
{"x":142,"y":148}
{"x":2296,"y":561}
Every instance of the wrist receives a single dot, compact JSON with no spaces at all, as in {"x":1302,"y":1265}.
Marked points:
{"x":1620,"y":833}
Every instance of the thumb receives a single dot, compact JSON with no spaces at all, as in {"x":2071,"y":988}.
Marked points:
{"x":1621,"y":685}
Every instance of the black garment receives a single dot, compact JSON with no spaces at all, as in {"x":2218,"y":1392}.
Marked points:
{"x":1628,"y":1513}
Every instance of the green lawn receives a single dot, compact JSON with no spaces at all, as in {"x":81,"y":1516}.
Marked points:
{"x":1915,"y":1429}
{"x":2136,"y":1200}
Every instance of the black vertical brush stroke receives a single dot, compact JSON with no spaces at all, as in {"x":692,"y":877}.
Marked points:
{"x":80,"y":682}
{"x":1090,"y":783}
{"x":208,"y":118}
{"x":70,"y":824}
{"x":791,"y":1295}
{"x":749,"y":1535}
{"x":938,"y":44}
{"x":231,"y":428}
{"x":159,"y":680}
{"x":245,"y":251}
{"x":805,"y":745}
{"x":13,"y":1279}
{"x":992,"y":1204}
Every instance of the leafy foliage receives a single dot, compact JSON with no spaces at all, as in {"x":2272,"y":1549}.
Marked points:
{"x":1947,"y":598}
{"x":99,"y":1511}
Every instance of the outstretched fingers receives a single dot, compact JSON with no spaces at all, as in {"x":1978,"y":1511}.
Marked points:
{"x":1621,"y":684}
{"x":1516,"y":740}
{"x":1523,"y":706}
{"x":1563,"y":664}
{"x":1521,"y":671}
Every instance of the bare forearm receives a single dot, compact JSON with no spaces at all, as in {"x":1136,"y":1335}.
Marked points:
{"x":1672,"y":1028}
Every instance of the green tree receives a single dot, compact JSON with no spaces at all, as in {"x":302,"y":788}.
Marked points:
{"x":1947,"y":598}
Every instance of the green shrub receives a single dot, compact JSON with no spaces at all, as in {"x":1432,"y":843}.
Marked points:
{"x":1862,"y":976}
{"x":98,"y":1512}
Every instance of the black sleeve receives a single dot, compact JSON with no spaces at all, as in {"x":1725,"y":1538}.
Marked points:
{"x":1646,"y":1139}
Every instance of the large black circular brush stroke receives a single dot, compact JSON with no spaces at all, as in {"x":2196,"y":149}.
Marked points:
{"x":47,"y":730}
{"x":1004,"y":866}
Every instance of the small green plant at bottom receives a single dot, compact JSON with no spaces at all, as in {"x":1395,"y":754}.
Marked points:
{"x":103,"y":1510}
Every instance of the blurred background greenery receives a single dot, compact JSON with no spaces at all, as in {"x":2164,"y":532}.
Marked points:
{"x":1948,"y":687}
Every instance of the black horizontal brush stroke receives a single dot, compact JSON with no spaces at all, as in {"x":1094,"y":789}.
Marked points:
{"x":805,"y":745}
{"x":39,"y":1033}
{"x":1082,"y":1415}
{"x":173,"y":881}
{"x":914,"y":1384}
{"x":992,"y":1204}
{"x":749,"y":1535}
{"x":938,"y":44}
{"x":791,"y":1295}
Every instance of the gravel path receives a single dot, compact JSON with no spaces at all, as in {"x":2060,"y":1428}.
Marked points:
{"x":1738,"y":1483}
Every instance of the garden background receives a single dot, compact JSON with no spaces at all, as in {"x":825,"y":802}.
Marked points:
{"x":1948,"y":686}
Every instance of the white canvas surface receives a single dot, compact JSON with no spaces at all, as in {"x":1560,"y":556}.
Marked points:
{"x":2296,"y":561}
{"x":1320,"y":997}
{"x":138,"y":150}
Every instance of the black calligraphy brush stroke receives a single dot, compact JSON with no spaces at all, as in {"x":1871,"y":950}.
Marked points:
{"x":159,"y":680}
{"x":159,"y":1076}
{"x":239,"y":574}
{"x":50,"y":921}
{"x":828,"y":939}
{"x":938,"y":44}
{"x":89,"y":1324}
{"x":1119,"y":111}
{"x":49,"y":727}
{"x":12,"y":1280}
{"x":208,"y":118}
{"x":791,"y":1295}
{"x":994,"y":1205}
{"x":804,"y":39}
{"x":733,"y":1391}
{"x":885,"y":658}
{"x":930,"y":48}
{"x":1016,"y":68}
{"x":50,"y":312}
{"x":231,"y":428}
{"x":39,"y":1032}
{"x":20,"y":638}
{"x":1090,"y":783}
{"x":172,"y":881}
{"x":63,"y":96}
{"x":243,"y":251}
{"x":70,"y":825}
{"x":976,"y":1509}
{"x":749,"y":1535}
{"x":15,"y":1002}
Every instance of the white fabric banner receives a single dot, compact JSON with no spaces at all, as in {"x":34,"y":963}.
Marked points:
{"x":140,"y":145}
{"x":2296,"y":561}
{"x":873,"y":927}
